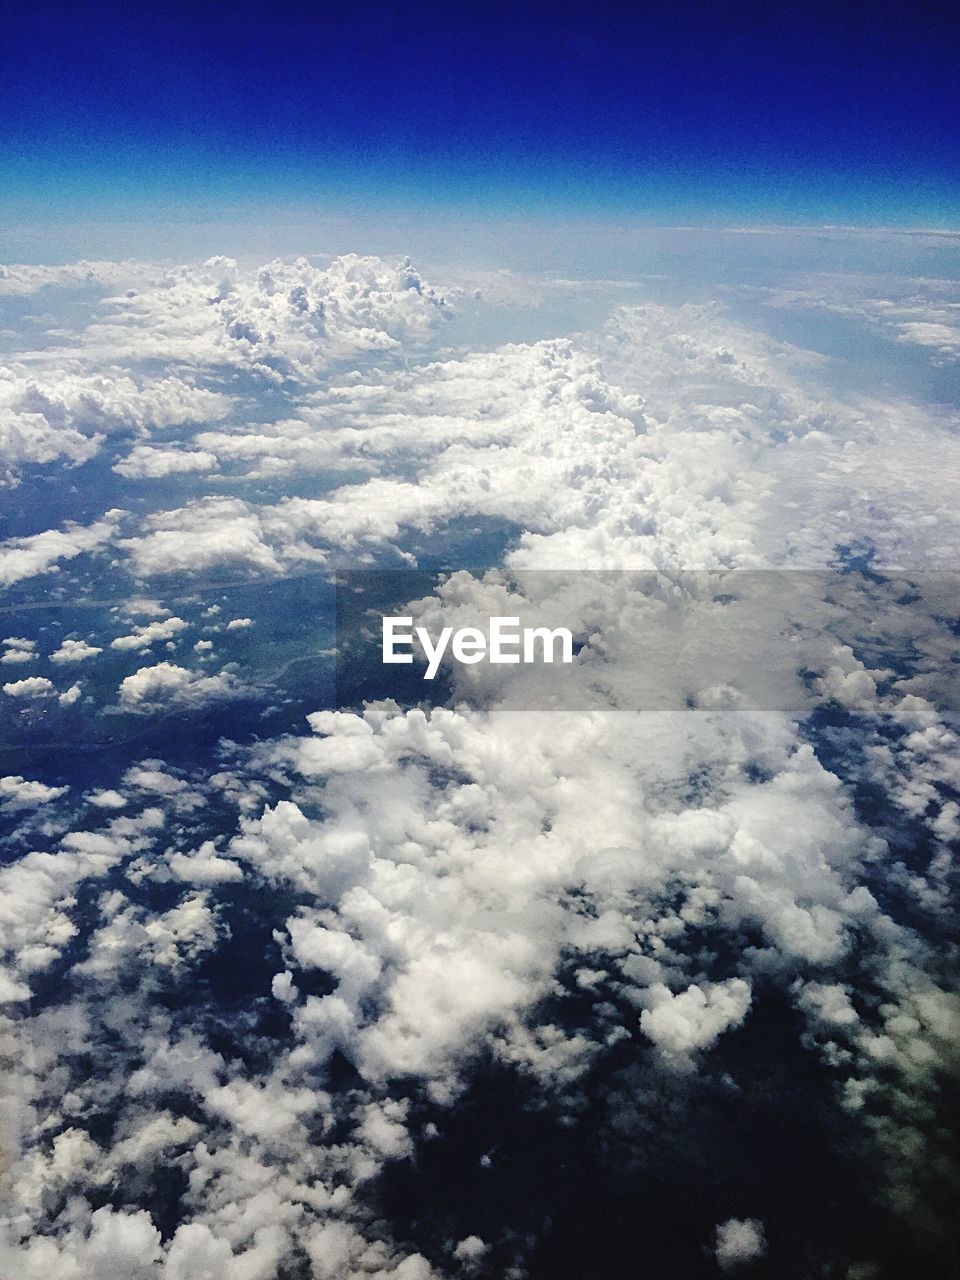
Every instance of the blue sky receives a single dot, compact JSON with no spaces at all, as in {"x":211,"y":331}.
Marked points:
{"x":712,"y":113}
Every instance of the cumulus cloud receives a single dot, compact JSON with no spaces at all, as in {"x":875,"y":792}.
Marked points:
{"x":69,"y":696}
{"x":504,"y":971}
{"x":150,"y":633}
{"x":214,"y":531}
{"x":204,"y":866}
{"x":17,"y":649}
{"x":284,"y":320}
{"x":29,"y":438}
{"x":74,"y":651}
{"x":58,"y":412}
{"x":514,"y":449}
{"x":41,"y":552}
{"x":146,"y":462}
{"x":114,"y":400}
{"x":108,"y":799}
{"x":470,"y":1251}
{"x":679,"y":439}
{"x":739,"y":1241}
{"x":168,"y":683}
{"x":35,"y":922}
{"x":462,"y":866}
{"x":594,"y":898}
{"x":16,"y":792}
{"x":116,"y":1244}
{"x":29,"y":687}
{"x":696,"y":1017}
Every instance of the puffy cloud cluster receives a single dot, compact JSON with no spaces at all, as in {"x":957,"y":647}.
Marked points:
{"x":148,"y":462}
{"x":36,"y":924}
{"x":41,"y":552}
{"x":818,"y":472}
{"x":674,"y":438}
{"x":16,"y":792}
{"x":56,"y":411}
{"x":284,"y":320}
{"x":149,"y":633}
{"x":479,"y":848}
{"x":680,"y":440}
{"x":166,"y":683}
{"x":530,"y":435}
{"x":694,"y":1019}
{"x":468,"y":866}
{"x":17,"y":650}
{"x":31,"y":438}
{"x":71,"y":650}
{"x":468,"y":869}
{"x":111,"y":400}
{"x":292,"y":964}
{"x":211,"y":532}
{"x":28,"y":687}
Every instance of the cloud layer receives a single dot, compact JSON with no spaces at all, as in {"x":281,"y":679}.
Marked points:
{"x":260,"y":987}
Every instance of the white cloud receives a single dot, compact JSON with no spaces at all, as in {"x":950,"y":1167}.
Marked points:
{"x":285,"y":320}
{"x":145,"y":606}
{"x":40,"y":553}
{"x":28,"y":438}
{"x":146,"y":777}
{"x":30,"y":687}
{"x":215,"y":531}
{"x":204,"y":866}
{"x":909,"y":311}
{"x":54,"y":412}
{"x":17,"y":650}
{"x":739,"y":1241}
{"x":695,"y":1018}
{"x":470,"y":1251}
{"x":11,"y":991}
{"x":680,"y":440}
{"x":168,"y":683}
{"x":16,"y":792}
{"x":528,"y":887}
{"x":109,"y":400}
{"x":170,"y":940}
{"x":108,"y":799}
{"x":146,"y":462}
{"x":35,"y":919}
{"x":116,"y":1246}
{"x":150,"y":633}
{"x":69,"y":696}
{"x":21,"y":279}
{"x":74,"y":651}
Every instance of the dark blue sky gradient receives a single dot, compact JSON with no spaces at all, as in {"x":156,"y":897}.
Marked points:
{"x":712,"y":112}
